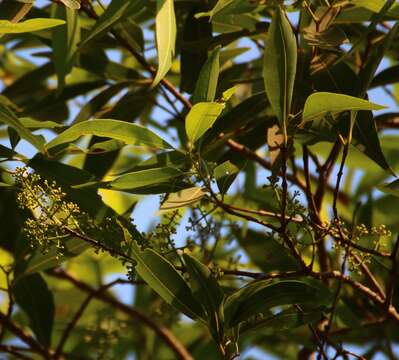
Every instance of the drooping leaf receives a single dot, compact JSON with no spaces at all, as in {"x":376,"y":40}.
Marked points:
{"x":115,"y":12}
{"x":183,"y":198}
{"x":200,"y":118}
{"x":261,"y":296}
{"x":8,"y":117}
{"x":165,"y":22}
{"x":33,"y":296}
{"x":365,"y":138}
{"x":205,"y":88}
{"x":321,"y":103}
{"x":286,"y":320}
{"x":279,"y":67}
{"x":65,"y":42}
{"x":265,"y":251}
{"x":8,"y":27}
{"x":119,"y":130}
{"x":143,"y":178}
{"x":208,"y":292}
{"x":164,"y":279}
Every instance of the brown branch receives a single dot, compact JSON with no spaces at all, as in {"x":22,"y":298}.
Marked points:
{"x":392,"y":278}
{"x":78,"y":315}
{"x":165,"y":334}
{"x":27,"y":339}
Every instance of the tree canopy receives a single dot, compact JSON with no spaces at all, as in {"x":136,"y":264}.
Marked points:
{"x":266,"y":132}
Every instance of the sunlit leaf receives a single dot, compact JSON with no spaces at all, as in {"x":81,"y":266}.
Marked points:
{"x":7,"y":27}
{"x":166,"y":37}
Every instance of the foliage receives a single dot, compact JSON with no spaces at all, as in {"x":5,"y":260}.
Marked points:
{"x":259,"y":127}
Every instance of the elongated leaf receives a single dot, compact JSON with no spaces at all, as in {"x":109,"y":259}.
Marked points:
{"x":319,"y":104}
{"x":40,"y":262}
{"x":229,"y":7}
{"x":279,"y":67}
{"x":65,"y":43}
{"x":286,"y":320}
{"x":119,"y":130}
{"x":116,"y":11}
{"x":9,"y":118}
{"x":262,"y":296}
{"x":208,"y":292}
{"x":174,"y":159}
{"x":391,"y":188}
{"x":205,"y":89}
{"x":265,"y":251}
{"x":165,"y":24}
{"x":163,"y":278}
{"x":33,"y":296}
{"x":71,"y":4}
{"x":183,"y":198}
{"x":7,"y":27}
{"x":200,"y":118}
{"x":144,"y":178}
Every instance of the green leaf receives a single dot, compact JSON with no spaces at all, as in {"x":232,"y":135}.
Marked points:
{"x":65,"y":43}
{"x":319,"y":104}
{"x":175,"y":159}
{"x":205,"y":89}
{"x":286,"y":320}
{"x":165,"y":24}
{"x":131,"y":134}
{"x":33,"y":296}
{"x":143,"y":178}
{"x":390,"y":188}
{"x":365,"y":138}
{"x":71,"y":4}
{"x":7,"y":27}
{"x":279,"y":67}
{"x":200,"y":118}
{"x":265,"y":251}
{"x":115,"y":12}
{"x":261,"y":296}
{"x":225,"y":174}
{"x":228,"y":7}
{"x":36,"y":124}
{"x":8,"y":117}
{"x":40,"y":262}
{"x":163,"y":278}
{"x":208,"y":292}
{"x":183,"y":198}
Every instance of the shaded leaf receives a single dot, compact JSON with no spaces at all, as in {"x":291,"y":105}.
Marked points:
{"x":33,"y":296}
{"x":208,"y":292}
{"x":261,"y":296}
{"x":65,"y":43}
{"x":205,"y":88}
{"x":163,"y":278}
{"x":225,"y":174}
{"x":279,"y":67}
{"x":9,"y":118}
{"x":115,"y":11}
